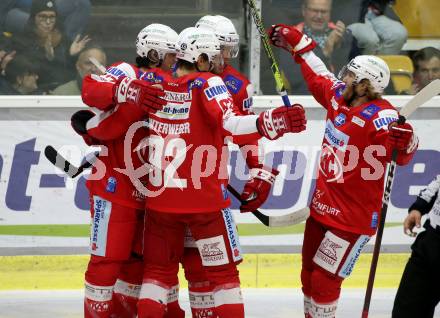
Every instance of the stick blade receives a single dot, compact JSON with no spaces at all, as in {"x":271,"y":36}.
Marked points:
{"x":289,"y":219}
{"x":429,"y":91}
{"x":59,"y":161}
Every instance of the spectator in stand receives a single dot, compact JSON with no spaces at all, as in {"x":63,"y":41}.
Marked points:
{"x":48,"y":47}
{"x":74,"y":15}
{"x":84,"y":66}
{"x":376,"y":33}
{"x":426,"y":68}
{"x":6,"y":56}
{"x":21,"y":77}
{"x":333,"y":42}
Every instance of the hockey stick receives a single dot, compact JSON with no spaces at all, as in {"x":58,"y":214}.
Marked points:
{"x":269,"y":53}
{"x":60,"y":162}
{"x":431,"y":90}
{"x":276,"y":221}
{"x":272,"y":221}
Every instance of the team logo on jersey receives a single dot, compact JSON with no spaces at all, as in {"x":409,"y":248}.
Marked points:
{"x":340,"y":119}
{"x":335,"y":137}
{"x":216,"y":91}
{"x":369,"y":111}
{"x":385,"y":117}
{"x":197,"y":83}
{"x":234,"y":84}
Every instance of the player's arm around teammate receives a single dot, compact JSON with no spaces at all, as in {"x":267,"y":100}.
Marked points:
{"x":119,"y":99}
{"x":360,"y":135}
{"x":188,"y":185}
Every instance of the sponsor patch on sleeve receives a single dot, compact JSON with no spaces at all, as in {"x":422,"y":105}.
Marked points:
{"x":216,"y":89}
{"x":384,"y":118}
{"x":152,"y":77}
{"x":233,"y":84}
{"x":369,"y":111}
{"x":196,"y":83}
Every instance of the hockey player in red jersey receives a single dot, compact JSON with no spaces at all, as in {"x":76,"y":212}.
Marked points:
{"x":360,"y":134}
{"x":256,"y":189}
{"x":117,"y":207}
{"x":187,"y":187}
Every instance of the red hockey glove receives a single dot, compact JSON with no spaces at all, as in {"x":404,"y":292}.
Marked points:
{"x":257,"y":189}
{"x":140,"y":93}
{"x":289,"y":38}
{"x":79,"y":121}
{"x":401,"y":137}
{"x":274,"y":123}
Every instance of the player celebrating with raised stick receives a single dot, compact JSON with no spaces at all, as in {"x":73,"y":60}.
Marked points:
{"x":360,"y":135}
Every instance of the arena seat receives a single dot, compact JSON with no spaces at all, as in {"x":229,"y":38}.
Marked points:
{"x":420,"y":17}
{"x":401,"y":68}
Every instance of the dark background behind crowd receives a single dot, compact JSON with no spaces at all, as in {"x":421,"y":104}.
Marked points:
{"x":46,"y":45}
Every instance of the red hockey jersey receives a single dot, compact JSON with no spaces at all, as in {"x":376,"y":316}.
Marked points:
{"x":109,"y":177}
{"x":186,"y":144}
{"x":353,"y":157}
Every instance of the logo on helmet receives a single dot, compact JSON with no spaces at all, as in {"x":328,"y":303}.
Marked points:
{"x":183,"y":46}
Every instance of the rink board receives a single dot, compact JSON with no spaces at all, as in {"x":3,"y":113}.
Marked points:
{"x":32,"y":191}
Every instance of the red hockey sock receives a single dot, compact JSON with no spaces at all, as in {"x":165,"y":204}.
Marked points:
{"x":201,"y":299}
{"x":98,"y":301}
{"x":229,"y":301}
{"x":148,"y":308}
{"x":125,"y":298}
{"x":173,"y":307}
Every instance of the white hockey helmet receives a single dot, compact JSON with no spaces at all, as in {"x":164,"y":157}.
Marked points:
{"x":369,"y":67}
{"x":193,"y":42}
{"x":223,"y":29}
{"x":158,"y":37}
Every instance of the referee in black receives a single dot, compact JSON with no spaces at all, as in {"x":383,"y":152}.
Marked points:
{"x":419,"y":289}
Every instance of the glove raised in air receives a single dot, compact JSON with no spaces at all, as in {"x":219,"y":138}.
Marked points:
{"x":290,"y":39}
{"x":274,"y":123}
{"x":401,"y":137}
{"x":257,"y":189}
{"x":140,"y":93}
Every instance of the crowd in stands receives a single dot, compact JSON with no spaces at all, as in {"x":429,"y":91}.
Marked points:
{"x":45,"y":49}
